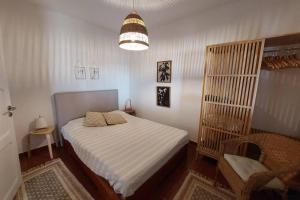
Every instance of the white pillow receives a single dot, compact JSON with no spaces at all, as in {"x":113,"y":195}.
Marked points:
{"x":94,"y":119}
{"x":113,"y":118}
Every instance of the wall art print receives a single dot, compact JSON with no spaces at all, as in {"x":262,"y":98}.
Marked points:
{"x":163,"y":96}
{"x":164,"y":71}
{"x":94,"y":73}
{"x":80,"y":73}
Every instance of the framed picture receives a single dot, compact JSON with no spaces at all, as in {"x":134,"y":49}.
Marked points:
{"x":80,"y":73}
{"x":94,"y":73}
{"x":163,"y":96}
{"x":164,"y":71}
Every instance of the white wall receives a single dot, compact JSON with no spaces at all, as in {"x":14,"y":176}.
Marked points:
{"x":41,"y":50}
{"x":277,"y":106}
{"x":184,"y":42}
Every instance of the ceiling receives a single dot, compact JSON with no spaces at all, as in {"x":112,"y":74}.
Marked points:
{"x":110,"y":13}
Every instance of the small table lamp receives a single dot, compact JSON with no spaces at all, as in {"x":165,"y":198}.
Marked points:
{"x":128,"y":105}
{"x":40,"y":123}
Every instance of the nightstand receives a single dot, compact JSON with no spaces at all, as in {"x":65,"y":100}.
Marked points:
{"x":130,"y":112}
{"x":42,"y":132}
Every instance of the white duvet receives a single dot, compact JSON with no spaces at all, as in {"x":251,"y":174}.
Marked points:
{"x":126,"y":154}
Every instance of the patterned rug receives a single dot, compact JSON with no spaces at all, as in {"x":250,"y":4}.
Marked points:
{"x":51,"y":181}
{"x":196,"y":187}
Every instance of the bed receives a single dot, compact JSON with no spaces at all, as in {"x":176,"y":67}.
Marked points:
{"x":125,"y":161}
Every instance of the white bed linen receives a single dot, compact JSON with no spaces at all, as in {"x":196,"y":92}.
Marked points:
{"x":126,"y":154}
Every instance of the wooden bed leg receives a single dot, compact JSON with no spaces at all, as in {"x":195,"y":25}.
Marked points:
{"x":61,"y":139}
{"x":216,"y":175}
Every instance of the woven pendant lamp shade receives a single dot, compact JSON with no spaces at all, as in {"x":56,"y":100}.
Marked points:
{"x":133,"y":34}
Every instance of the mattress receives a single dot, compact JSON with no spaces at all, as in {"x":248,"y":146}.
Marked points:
{"x":126,"y":155}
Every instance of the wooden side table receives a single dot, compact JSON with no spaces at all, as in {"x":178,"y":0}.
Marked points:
{"x":130,"y":112}
{"x":46,"y":132}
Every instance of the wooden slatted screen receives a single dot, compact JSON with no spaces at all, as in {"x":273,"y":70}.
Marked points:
{"x":229,"y":91}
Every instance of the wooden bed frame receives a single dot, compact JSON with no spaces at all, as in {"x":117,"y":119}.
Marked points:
{"x":108,"y":193}
{"x":72,"y":105}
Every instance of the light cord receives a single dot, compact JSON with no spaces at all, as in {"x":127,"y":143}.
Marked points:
{"x":133,"y":4}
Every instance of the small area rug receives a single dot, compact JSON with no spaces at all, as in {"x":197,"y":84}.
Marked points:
{"x":197,"y":187}
{"x":51,"y":181}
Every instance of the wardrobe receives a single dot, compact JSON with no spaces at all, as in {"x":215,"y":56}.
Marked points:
{"x":231,"y":78}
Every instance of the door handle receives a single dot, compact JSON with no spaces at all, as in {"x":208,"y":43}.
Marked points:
{"x":11,"y":108}
{"x":9,"y":113}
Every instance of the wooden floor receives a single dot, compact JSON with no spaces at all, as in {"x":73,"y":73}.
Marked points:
{"x":165,"y":191}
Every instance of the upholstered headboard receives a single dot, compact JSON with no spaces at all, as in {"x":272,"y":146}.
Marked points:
{"x":72,"y":105}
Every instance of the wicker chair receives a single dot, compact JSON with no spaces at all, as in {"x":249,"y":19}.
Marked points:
{"x":279,"y":161}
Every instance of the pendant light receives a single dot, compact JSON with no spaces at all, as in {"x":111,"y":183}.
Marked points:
{"x":133,"y":34}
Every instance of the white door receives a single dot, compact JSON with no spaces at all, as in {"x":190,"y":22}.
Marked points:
{"x":10,"y":173}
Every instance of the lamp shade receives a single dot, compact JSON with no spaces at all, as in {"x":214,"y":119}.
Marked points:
{"x":40,"y":123}
{"x":133,"y":34}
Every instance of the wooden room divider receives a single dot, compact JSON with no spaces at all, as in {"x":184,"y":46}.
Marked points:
{"x":229,"y":90}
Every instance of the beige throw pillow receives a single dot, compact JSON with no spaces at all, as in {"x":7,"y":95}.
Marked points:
{"x":114,"y":118}
{"x":94,"y":119}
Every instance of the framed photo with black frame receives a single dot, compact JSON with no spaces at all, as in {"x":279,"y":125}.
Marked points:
{"x":163,"y":94}
{"x":164,"y":71}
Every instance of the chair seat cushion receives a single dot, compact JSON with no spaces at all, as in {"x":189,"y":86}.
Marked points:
{"x":245,"y":167}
